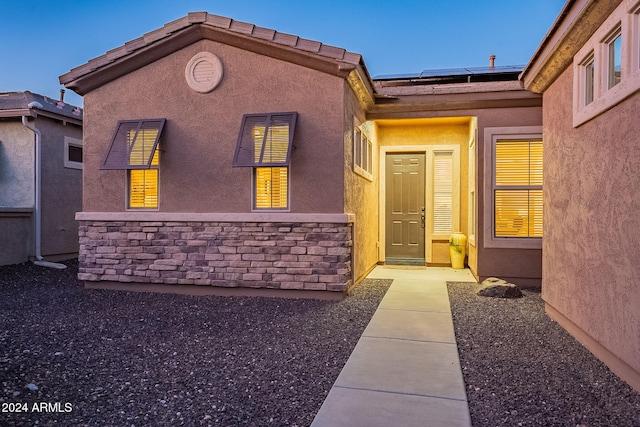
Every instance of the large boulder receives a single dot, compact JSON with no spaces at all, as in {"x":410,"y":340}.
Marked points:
{"x":498,"y":288}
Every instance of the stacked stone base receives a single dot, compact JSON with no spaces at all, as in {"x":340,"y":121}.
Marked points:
{"x":292,"y":255}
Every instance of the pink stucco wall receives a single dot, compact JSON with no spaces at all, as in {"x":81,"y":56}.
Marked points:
{"x":202,"y":129}
{"x":592,"y":217}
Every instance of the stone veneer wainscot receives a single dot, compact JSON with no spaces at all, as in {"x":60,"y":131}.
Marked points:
{"x":275,"y":251}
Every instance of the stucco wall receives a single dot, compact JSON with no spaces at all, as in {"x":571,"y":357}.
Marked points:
{"x":61,"y":195}
{"x":61,"y":190}
{"x":16,"y":164}
{"x":521,"y":266}
{"x":404,"y":133}
{"x":592,"y":217}
{"x":198,"y":143}
{"x":361,"y":194}
{"x":16,"y":236}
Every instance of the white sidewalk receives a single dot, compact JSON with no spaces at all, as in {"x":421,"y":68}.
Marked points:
{"x":404,"y":370}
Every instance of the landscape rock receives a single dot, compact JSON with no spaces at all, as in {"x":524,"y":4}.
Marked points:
{"x":498,"y":288}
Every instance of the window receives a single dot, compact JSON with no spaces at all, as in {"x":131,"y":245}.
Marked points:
{"x":72,"y":153}
{"x":362,"y":151}
{"x":265,"y":143}
{"x":271,"y":186}
{"x":143,"y":186}
{"x":589,"y":79}
{"x":614,"y":63}
{"x":518,"y":188}
{"x":513,"y":193}
{"x":134,"y":148}
{"x":607,"y":67}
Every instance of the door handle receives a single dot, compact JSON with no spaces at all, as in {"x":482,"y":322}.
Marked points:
{"x":422,"y":217}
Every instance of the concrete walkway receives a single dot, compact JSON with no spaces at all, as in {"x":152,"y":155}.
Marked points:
{"x":404,"y":370}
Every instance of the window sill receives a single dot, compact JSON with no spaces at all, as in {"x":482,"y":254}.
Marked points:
{"x":610,"y":99}
{"x":363,"y":173}
{"x":513,"y":243}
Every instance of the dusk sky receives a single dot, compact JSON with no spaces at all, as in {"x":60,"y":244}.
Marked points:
{"x":42,"y":39}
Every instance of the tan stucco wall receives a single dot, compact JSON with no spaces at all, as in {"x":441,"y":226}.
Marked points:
{"x":472,"y":182}
{"x":16,"y":164}
{"x":361,"y":194}
{"x":61,"y":189}
{"x":521,"y":266}
{"x":592,"y":217}
{"x":202,"y":129}
{"x":437,"y":132}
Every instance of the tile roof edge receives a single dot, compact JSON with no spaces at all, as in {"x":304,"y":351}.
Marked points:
{"x":219,"y":22}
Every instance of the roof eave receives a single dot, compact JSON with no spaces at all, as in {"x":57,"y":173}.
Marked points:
{"x":426,"y":104}
{"x":573,"y":27}
{"x":17,"y":112}
{"x":177,"y":35}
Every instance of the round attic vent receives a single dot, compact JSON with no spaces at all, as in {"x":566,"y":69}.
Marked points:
{"x":204,"y":72}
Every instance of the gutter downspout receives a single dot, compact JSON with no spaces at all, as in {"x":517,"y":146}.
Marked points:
{"x":38,"y":192}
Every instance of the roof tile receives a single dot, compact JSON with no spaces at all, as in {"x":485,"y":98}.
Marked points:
{"x":264,"y":33}
{"x":155,"y":35}
{"x":332,"y":51}
{"x":135,"y":44}
{"x":351,"y":57}
{"x":241,"y":27}
{"x":197,"y":17}
{"x":286,"y":39}
{"x":219,"y":21}
{"x":309,"y":45}
{"x":98,"y":62}
{"x":176,"y":25}
{"x":116,"y":53}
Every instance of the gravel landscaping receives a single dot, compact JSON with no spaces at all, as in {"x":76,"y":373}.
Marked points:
{"x":75,"y":357}
{"x":522,"y":369}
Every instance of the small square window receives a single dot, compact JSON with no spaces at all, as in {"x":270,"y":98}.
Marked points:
{"x":72,"y":153}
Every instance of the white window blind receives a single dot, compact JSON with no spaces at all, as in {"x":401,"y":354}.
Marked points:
{"x":442,"y":192}
{"x":518,"y":189}
{"x":271,"y":188}
{"x":143,"y":186}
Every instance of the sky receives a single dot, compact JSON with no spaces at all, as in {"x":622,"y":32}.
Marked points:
{"x":43,"y":39}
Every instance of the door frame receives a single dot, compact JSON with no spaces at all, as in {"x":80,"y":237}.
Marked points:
{"x":428,"y":150}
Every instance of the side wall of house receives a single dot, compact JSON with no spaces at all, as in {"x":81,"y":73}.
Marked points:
{"x":61,"y":194}
{"x":361,"y":193}
{"x":16,"y":191}
{"x":592,"y":217}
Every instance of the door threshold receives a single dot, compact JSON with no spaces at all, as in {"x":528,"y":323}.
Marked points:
{"x":416,"y":262}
